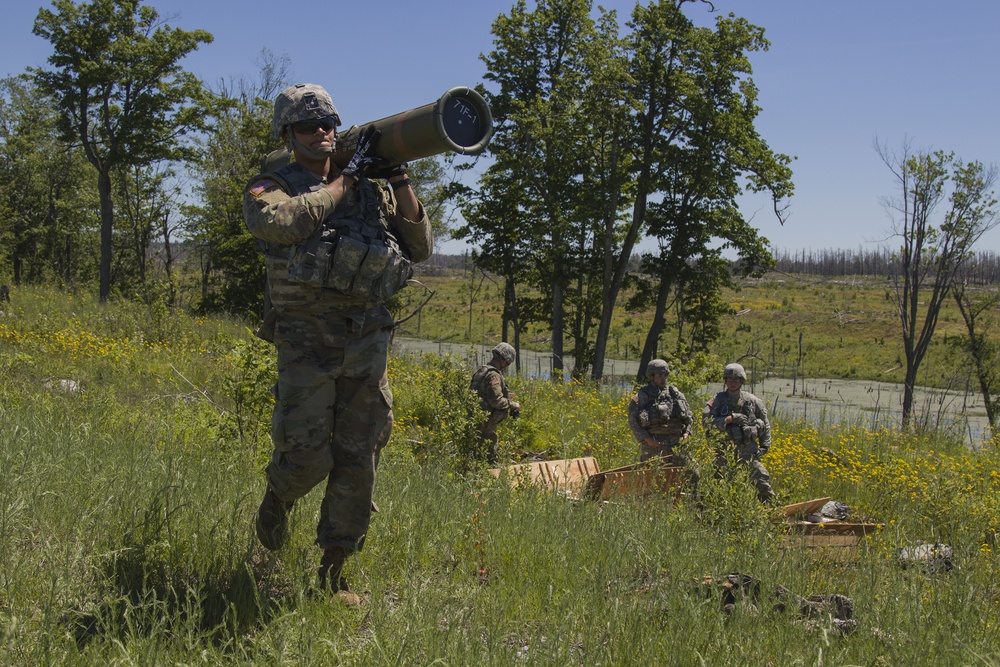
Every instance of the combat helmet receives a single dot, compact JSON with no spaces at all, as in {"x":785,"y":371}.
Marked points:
{"x":504,"y":351}
{"x":734,"y":371}
{"x":657,"y":366}
{"x":303,"y":101}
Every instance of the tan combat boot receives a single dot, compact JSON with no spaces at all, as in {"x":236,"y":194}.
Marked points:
{"x":330,"y":567}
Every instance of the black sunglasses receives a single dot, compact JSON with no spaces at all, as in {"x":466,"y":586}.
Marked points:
{"x":310,"y":126}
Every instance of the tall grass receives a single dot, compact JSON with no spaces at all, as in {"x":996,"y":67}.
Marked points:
{"x":126,"y":525}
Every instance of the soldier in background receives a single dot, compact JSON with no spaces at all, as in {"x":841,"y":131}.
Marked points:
{"x":740,"y":420}
{"x":494,"y":397}
{"x":660,"y":419}
{"x":336,"y":244}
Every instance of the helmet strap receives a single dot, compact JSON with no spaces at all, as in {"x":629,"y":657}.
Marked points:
{"x":321,"y":154}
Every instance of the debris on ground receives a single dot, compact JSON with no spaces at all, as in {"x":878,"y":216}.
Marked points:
{"x":742,"y":591}
{"x":931,"y":558}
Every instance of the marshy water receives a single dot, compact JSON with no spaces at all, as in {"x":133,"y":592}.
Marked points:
{"x":817,"y":401}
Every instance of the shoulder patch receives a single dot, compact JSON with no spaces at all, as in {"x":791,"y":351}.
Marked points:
{"x":260,"y":187}
{"x":495,"y":379}
{"x":635,"y":398}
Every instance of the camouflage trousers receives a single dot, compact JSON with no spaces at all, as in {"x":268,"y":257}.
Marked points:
{"x":332,"y":416}
{"x":488,"y":437}
{"x":672,"y":453}
{"x":749,"y":457}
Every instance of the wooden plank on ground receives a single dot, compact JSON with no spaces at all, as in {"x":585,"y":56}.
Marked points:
{"x":833,"y":528}
{"x":562,"y":474}
{"x":666,"y":482}
{"x":805,"y":508}
{"x":834,"y":541}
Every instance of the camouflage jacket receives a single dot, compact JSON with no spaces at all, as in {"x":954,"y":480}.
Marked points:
{"x":321,"y":254}
{"x":489,"y":384}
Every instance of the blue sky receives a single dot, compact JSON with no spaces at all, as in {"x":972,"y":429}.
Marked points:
{"x":839,"y":73}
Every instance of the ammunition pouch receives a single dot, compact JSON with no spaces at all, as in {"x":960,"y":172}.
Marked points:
{"x":743,"y":435}
{"x":372,"y":270}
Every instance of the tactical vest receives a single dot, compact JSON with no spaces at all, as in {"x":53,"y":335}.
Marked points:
{"x":665,"y":415}
{"x":352,"y":251}
{"x":748,"y":433}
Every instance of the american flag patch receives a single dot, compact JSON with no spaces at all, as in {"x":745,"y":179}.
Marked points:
{"x":261,"y":186}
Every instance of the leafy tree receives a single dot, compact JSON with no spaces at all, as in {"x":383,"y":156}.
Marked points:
{"x":121,"y":92}
{"x":706,"y":150}
{"x":932,"y":250}
{"x":540,"y":65}
{"x":602,"y":138}
{"x":48,"y":218}
{"x":232,"y":270}
{"x":145,"y":201}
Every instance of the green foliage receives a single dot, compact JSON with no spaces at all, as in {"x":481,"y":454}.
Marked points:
{"x":246,"y":425}
{"x":48,"y":219}
{"x":233,"y":267}
{"x":605,"y":136}
{"x":126,"y":524}
{"x":121,"y":93}
{"x":442,"y":416}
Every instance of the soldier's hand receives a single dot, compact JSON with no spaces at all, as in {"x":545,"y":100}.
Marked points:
{"x":364,"y":160}
{"x":738,"y":420}
{"x":388,"y":172}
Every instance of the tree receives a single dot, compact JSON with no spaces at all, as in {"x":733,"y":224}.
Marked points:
{"x":231,"y":154}
{"x":707,"y":151}
{"x":978,"y":309}
{"x":933,"y":250}
{"x":540,"y":65}
{"x":48,"y":218}
{"x":120,"y":90}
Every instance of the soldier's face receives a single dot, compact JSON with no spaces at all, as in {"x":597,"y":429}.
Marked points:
{"x":733,"y":384}
{"x":315,"y":134}
{"x":659,"y":378}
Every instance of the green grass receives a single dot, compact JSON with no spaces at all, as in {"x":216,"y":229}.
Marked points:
{"x":126,"y":525}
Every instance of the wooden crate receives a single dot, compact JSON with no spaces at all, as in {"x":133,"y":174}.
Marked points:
{"x":831,"y":536}
{"x":639,"y":480}
{"x":561,"y":475}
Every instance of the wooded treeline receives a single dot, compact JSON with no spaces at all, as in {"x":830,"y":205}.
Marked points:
{"x":983,"y":267}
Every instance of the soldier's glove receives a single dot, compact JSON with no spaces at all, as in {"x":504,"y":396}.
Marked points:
{"x":388,"y":172}
{"x":364,"y":159}
{"x":739,"y":420}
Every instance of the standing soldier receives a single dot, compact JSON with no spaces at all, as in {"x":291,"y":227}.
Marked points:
{"x":660,"y":419}
{"x":488,"y":382}
{"x":336,"y":244}
{"x":742,"y":418}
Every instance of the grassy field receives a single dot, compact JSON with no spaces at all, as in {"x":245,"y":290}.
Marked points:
{"x":806,"y":325}
{"x":133,"y":443}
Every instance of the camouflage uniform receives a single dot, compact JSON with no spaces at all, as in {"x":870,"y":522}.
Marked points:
{"x":491,"y":387}
{"x":664,"y":415}
{"x":751,"y":440}
{"x":333,"y":406}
